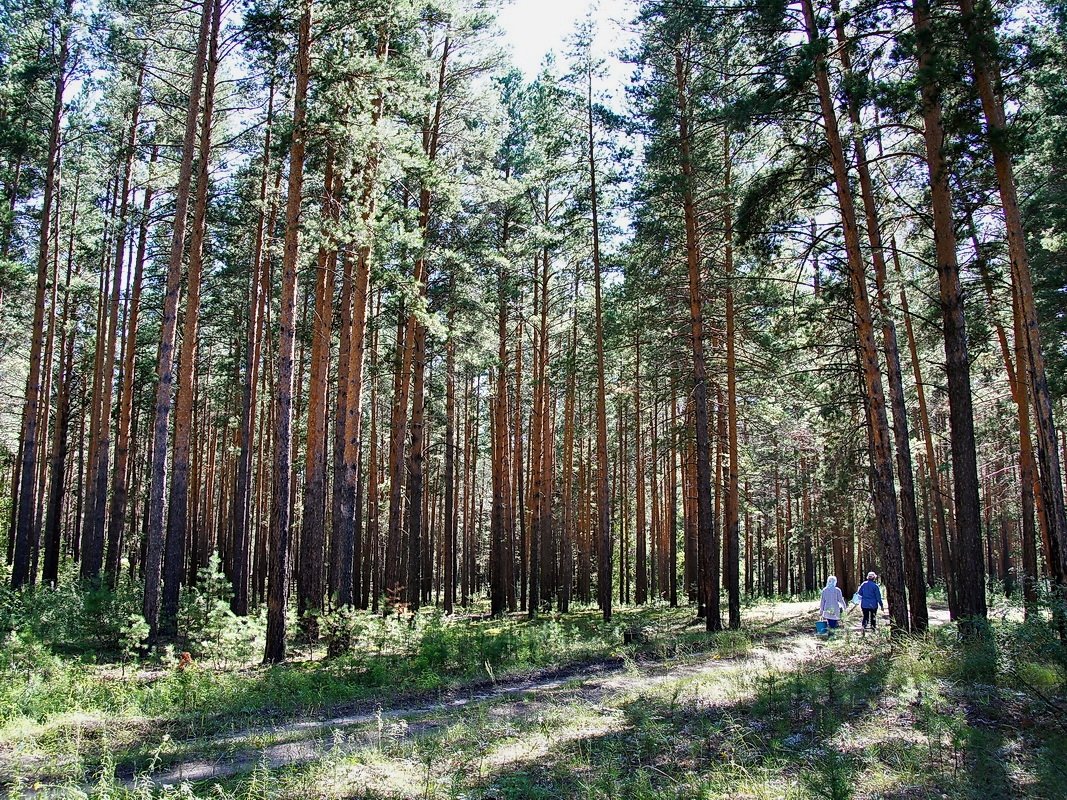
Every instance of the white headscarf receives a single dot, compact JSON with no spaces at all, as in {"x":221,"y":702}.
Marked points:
{"x":831,"y":582}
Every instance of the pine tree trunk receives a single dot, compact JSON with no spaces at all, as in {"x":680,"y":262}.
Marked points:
{"x":970,"y":585}
{"x":373,"y":501}
{"x":313,"y":522}
{"x":537,"y":488}
{"x":165,"y":370}
{"x":941,"y":529}
{"x":1026,"y":466}
{"x":641,"y":588}
{"x":451,"y":452}
{"x":500,"y":472}
{"x":1019,"y":385}
{"x":346,"y":546}
{"x":688,"y":467}
{"x":878,"y":424}
{"x":541,"y":548}
{"x":658,"y":567}
{"x":672,"y":495}
{"x":96,"y":511}
{"x":603,"y":501}
{"x":258,"y":293}
{"x":178,"y":517}
{"x":26,"y":524}
{"x":57,"y":487}
{"x":708,"y":575}
{"x":909,"y":517}
{"x":732,"y":498}
{"x":278,"y":567}
{"x":123,"y":463}
{"x":92,"y":539}
{"x":523,"y":489}
{"x":568,"y":534}
{"x":416,"y":469}
{"x":405,"y":339}
{"x":982,"y":40}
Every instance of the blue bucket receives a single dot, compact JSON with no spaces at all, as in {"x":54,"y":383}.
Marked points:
{"x":821,"y":626}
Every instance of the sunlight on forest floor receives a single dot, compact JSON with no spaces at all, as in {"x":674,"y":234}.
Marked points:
{"x":770,"y":712}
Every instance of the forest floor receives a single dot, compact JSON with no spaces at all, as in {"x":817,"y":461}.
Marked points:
{"x":769,"y":712}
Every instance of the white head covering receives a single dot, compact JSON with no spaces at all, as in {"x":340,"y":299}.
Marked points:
{"x":872,"y":576}
{"x":831,"y":582}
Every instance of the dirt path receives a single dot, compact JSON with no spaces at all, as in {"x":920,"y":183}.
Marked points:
{"x":306,"y":740}
{"x":783,"y":642}
{"x":303,"y":741}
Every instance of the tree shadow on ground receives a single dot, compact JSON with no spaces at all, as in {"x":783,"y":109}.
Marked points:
{"x":777,"y":736}
{"x":210,"y":709}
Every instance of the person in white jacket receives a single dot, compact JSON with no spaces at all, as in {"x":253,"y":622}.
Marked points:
{"x":832,"y":602}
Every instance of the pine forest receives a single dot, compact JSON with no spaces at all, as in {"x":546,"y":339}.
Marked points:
{"x":382,"y":416}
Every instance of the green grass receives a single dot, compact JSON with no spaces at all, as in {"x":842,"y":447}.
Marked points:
{"x":54,"y":700}
{"x":767,"y":712}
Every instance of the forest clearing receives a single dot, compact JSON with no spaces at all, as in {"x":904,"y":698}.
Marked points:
{"x":482,"y":399}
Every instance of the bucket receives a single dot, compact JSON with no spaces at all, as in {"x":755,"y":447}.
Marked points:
{"x":821,"y":627}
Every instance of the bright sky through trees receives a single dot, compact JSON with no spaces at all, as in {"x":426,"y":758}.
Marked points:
{"x":533,"y":28}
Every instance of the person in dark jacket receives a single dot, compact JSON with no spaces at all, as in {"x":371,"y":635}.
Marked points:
{"x":870,"y":600}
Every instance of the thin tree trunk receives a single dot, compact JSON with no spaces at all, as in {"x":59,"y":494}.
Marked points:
{"x":92,"y":538}
{"x":451,"y":448}
{"x":732,"y":498}
{"x":96,"y":510}
{"x":178,"y":523}
{"x":941,"y":530}
{"x":258,"y":293}
{"x":501,"y":474}
{"x":1026,"y":466}
{"x":537,"y":448}
{"x":672,"y":498}
{"x":26,"y":524}
{"x":373,"y":507}
{"x":347,"y":546}
{"x":278,"y":569}
{"x":909,"y":518}
{"x":708,"y":579}
{"x":121,"y":473}
{"x":568,"y":533}
{"x":641,"y":589}
{"x":57,"y":488}
{"x":168,"y":332}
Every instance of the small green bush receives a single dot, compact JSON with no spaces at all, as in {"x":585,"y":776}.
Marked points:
{"x":212,"y":631}
{"x":341,"y":629}
{"x":830,"y":775}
